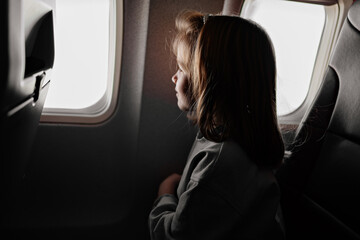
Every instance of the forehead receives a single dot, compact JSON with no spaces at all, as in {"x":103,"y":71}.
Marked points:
{"x":182,"y":54}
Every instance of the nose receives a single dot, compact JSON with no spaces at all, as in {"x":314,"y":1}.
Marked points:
{"x":174,"y":78}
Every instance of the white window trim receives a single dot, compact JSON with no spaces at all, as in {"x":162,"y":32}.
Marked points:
{"x":334,"y":18}
{"x":335,"y":15}
{"x":105,"y":107}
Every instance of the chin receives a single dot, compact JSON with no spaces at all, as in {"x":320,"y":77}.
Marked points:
{"x":183,"y":107}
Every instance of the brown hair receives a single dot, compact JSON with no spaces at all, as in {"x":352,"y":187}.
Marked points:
{"x":234,"y":84}
{"x":188,"y":25}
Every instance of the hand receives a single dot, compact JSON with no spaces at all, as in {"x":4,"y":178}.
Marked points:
{"x":169,"y":185}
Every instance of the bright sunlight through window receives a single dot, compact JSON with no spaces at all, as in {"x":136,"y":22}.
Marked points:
{"x":295,"y":29}
{"x":80,"y":73}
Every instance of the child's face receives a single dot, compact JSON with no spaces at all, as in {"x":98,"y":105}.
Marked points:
{"x":181,"y":81}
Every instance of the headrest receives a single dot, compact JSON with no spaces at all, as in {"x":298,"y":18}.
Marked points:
{"x":346,"y":63}
{"x":27,"y":48}
{"x":33,"y":11}
{"x":39,"y":36}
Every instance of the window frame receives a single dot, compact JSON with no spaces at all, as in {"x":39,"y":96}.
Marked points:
{"x":335,"y":14}
{"x":105,"y":107}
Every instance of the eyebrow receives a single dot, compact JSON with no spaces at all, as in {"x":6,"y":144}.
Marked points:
{"x":180,"y":63}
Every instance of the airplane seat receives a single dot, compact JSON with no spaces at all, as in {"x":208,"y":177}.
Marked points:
{"x":27,"y":56}
{"x":320,"y":180}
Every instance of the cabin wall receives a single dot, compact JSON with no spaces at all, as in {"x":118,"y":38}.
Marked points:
{"x":101,"y":180}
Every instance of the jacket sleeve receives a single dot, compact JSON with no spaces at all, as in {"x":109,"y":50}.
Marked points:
{"x":200,"y":213}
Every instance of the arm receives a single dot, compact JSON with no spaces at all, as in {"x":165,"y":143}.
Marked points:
{"x":200,"y":213}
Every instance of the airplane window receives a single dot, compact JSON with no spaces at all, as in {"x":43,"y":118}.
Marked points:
{"x":83,"y":72}
{"x":295,"y":29}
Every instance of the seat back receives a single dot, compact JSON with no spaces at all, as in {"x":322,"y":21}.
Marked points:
{"x":320,"y":180}
{"x":27,"y":56}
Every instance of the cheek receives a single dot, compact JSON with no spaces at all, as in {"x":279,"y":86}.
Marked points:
{"x":183,"y":85}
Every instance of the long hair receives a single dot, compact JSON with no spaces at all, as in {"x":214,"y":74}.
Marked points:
{"x":234,"y":84}
{"x":188,"y":25}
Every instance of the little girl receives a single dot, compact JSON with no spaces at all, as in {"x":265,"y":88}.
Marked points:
{"x":226,"y":82}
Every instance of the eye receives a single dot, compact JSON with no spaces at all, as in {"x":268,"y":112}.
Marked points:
{"x":179,"y":68}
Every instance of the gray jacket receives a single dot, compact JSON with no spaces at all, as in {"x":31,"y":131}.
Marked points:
{"x":222,"y":195}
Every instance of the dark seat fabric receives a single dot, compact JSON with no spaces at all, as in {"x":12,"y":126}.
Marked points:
{"x":320,"y":180}
{"x":24,"y":83}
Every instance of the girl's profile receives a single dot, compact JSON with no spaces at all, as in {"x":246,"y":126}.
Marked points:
{"x":226,"y":83}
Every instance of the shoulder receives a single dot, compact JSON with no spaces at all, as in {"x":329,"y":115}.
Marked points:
{"x":234,"y":162}
{"x":235,"y":177}
{"x":225,"y":163}
{"x":209,"y":159}
{"x":225,"y":171}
